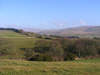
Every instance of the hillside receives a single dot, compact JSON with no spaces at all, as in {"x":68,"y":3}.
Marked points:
{"x":12,"y":42}
{"x":16,"y":33}
{"x":86,"y":31}
{"x":17,"y":44}
{"x":5,"y":33}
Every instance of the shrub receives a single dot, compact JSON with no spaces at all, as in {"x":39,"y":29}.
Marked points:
{"x":41,"y":57}
{"x":69,"y":56}
{"x":50,"y":48}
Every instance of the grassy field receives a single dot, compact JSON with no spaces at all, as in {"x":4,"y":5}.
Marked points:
{"x":16,"y":44}
{"x":21,"y":67}
{"x":9,"y":33}
{"x":15,"y":41}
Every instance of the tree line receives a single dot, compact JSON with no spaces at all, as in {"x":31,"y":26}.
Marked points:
{"x":59,"y":49}
{"x":63,"y":49}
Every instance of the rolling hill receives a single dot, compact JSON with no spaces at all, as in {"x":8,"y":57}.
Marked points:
{"x":9,"y":33}
{"x":86,"y":31}
{"x":13,"y":42}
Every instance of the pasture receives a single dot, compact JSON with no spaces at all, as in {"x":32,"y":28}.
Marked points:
{"x":22,"y":67}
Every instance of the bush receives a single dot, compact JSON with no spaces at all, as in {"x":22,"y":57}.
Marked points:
{"x":28,"y":52}
{"x":50,"y":48}
{"x":69,"y":56}
{"x":41,"y":57}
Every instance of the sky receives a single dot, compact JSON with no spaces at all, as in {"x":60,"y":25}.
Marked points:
{"x":49,"y":14}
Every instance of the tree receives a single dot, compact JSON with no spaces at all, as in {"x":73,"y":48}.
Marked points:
{"x":86,"y":47}
{"x":69,"y":48}
{"x":51,"y":48}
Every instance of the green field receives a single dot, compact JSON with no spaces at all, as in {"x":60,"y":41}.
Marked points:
{"x":9,"y":33}
{"x":14,"y":64}
{"x":15,"y":44}
{"x":21,"y":67}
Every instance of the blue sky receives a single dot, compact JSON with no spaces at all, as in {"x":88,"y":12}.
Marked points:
{"x":49,"y":14}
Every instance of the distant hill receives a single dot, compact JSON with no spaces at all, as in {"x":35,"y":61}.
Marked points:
{"x":10,"y":32}
{"x":32,"y":30}
{"x":85,"y":31}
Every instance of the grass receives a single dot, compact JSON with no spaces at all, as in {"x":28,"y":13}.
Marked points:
{"x":16,"y":45}
{"x":9,"y":33}
{"x":21,"y":67}
{"x":15,"y":42}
